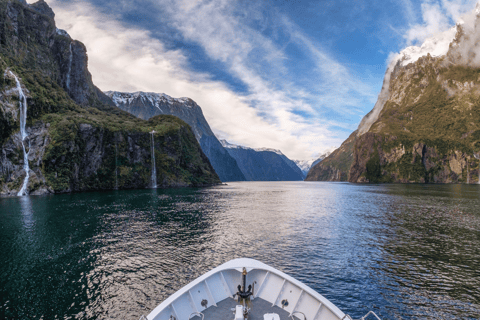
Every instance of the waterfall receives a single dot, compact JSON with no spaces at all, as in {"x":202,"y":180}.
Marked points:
{"x":23,"y":122}
{"x":70,"y":58}
{"x":116,"y":167}
{"x":468,"y":173}
{"x":154,"y":170}
{"x":478,"y":158}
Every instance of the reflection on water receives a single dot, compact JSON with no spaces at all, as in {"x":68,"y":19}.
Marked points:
{"x":405,"y":251}
{"x":27,"y":213}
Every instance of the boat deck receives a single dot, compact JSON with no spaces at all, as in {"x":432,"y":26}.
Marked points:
{"x":258,"y":307}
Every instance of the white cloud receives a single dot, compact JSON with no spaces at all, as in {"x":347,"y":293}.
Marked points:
{"x":437,"y":16}
{"x":434,"y":21}
{"x":410,"y":12}
{"x":126,"y":59}
{"x":433,"y":37}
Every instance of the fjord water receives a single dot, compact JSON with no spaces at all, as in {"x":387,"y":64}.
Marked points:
{"x":404,"y":251}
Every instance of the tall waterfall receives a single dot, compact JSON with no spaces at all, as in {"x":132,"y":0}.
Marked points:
{"x":468,"y":173}
{"x":478,"y":158}
{"x":23,"y":132}
{"x":154,"y":170}
{"x":116,"y":167}
{"x":70,"y":58}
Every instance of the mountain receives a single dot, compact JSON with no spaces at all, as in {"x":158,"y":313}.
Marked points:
{"x":263,"y":164}
{"x":306,"y":165}
{"x":146,"y":105}
{"x":60,"y":133}
{"x":425,"y":126}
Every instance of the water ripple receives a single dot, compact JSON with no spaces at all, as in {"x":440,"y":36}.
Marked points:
{"x":403,"y":251}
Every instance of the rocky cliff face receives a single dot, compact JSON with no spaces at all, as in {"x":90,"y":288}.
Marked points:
{"x":264,"y":164}
{"x":146,"y":105}
{"x":75,"y":139}
{"x":428,"y":130}
{"x":427,"y":127}
{"x":29,"y":38}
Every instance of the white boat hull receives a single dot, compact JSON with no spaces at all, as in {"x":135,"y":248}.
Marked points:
{"x":269,"y":283}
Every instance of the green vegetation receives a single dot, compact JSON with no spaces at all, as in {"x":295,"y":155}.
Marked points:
{"x":87,"y":145}
{"x":427,"y":114}
{"x":374,"y":170}
{"x":178,"y":158}
{"x":341,"y":159}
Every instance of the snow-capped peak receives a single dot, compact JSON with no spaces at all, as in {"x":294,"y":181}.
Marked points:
{"x":154,"y":98}
{"x":304,"y":165}
{"x":229,"y":145}
{"x":436,"y":46}
{"x":270,"y":150}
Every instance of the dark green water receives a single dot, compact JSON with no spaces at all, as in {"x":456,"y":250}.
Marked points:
{"x":404,"y":251}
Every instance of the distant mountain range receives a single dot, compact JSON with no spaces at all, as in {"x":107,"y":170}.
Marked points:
{"x":146,"y":105}
{"x":231,"y":162}
{"x":264,"y":164}
{"x":306,"y":165}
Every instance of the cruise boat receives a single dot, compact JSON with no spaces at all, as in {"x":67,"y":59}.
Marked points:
{"x":247,"y":289}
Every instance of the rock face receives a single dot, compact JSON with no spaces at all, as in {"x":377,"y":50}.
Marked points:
{"x":77,"y":140}
{"x":52,"y":53}
{"x":427,"y":127}
{"x":264,"y":164}
{"x":146,"y":105}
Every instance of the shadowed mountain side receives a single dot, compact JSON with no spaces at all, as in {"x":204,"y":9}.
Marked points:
{"x":263,"y":164}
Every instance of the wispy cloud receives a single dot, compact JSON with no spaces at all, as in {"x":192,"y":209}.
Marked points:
{"x":127,"y":59}
{"x":274,"y":111}
{"x":410,"y":12}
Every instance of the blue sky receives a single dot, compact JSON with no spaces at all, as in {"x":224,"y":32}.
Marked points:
{"x":291,"y":75}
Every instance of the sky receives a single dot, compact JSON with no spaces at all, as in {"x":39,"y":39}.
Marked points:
{"x":293,"y":75}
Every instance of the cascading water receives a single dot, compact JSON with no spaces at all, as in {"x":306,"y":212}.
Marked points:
{"x":116,"y":167}
{"x":70,"y":58}
{"x":468,"y":173}
{"x":478,"y":158}
{"x":154,"y":170}
{"x":23,"y":132}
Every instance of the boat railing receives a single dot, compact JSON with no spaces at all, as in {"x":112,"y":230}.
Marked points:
{"x":362,"y":318}
{"x":294,"y":312}
{"x":195,"y":314}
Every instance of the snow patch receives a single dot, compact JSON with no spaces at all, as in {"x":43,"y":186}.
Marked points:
{"x":270,"y":150}
{"x":229,"y":145}
{"x":436,"y":46}
{"x":156,"y":99}
{"x":62,"y":32}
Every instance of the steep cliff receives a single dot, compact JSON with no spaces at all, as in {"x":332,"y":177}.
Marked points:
{"x":425,"y":127}
{"x":428,"y":130}
{"x":74,"y":138}
{"x":146,"y":105}
{"x":264,"y":164}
